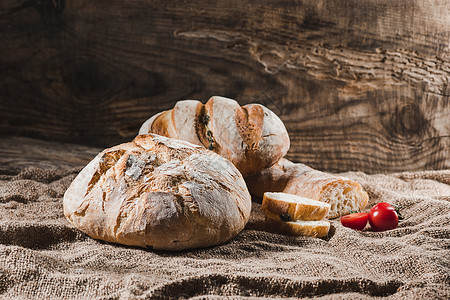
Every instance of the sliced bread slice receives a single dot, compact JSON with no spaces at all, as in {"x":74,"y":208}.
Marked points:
{"x":298,"y":227}
{"x":291,"y":207}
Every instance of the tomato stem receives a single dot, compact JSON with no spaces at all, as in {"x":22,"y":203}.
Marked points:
{"x":397,"y":210}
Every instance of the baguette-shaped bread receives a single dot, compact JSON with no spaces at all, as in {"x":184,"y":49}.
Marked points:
{"x":252,"y":137}
{"x":294,"y":207}
{"x":344,"y":195}
{"x":298,"y":227}
{"x":159,"y":192}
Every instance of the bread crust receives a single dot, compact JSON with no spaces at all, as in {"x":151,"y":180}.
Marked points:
{"x":252,"y":137}
{"x":159,"y":192}
{"x":295,"y":211}
{"x":343,"y":194}
{"x":310,"y":229}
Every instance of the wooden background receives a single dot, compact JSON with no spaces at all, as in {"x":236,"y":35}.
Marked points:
{"x":360,"y":84}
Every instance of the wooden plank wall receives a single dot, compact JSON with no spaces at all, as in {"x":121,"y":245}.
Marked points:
{"x":360,"y":84}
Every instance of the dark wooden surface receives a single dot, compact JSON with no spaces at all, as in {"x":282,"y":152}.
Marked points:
{"x":19,"y":153}
{"x":360,"y":85}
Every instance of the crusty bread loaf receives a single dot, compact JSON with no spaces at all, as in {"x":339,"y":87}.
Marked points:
{"x":298,"y":227}
{"x":252,"y":137}
{"x":294,"y":207}
{"x":159,"y":192}
{"x":343,"y":194}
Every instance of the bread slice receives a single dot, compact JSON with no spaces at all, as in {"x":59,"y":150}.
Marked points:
{"x":298,"y":227}
{"x":293,"y":207}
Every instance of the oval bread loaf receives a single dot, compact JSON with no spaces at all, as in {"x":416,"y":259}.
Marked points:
{"x":344,"y":195}
{"x":159,"y":192}
{"x":252,"y":137}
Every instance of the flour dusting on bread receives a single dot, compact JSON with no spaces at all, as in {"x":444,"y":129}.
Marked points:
{"x":159,"y":192}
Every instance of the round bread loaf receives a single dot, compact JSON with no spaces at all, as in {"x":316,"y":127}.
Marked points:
{"x":252,"y":137}
{"x":159,"y":192}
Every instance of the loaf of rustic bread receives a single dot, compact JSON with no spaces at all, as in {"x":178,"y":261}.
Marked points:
{"x":344,"y":195}
{"x":159,"y":192}
{"x":252,"y":137}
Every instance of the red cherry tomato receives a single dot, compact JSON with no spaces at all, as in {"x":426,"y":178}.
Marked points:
{"x":383,"y":217}
{"x":380,"y":205}
{"x":355,"y":221}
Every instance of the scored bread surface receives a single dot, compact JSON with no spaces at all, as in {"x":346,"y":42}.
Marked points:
{"x":295,"y":207}
{"x":159,"y":192}
{"x":252,"y":137}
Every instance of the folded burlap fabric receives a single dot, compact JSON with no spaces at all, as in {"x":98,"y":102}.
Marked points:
{"x":42,"y":256}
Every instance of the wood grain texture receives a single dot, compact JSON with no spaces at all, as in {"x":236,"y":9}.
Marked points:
{"x":360,"y":85}
{"x":19,"y":153}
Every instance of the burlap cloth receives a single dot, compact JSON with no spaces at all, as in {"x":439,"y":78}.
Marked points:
{"x":43,"y":257}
